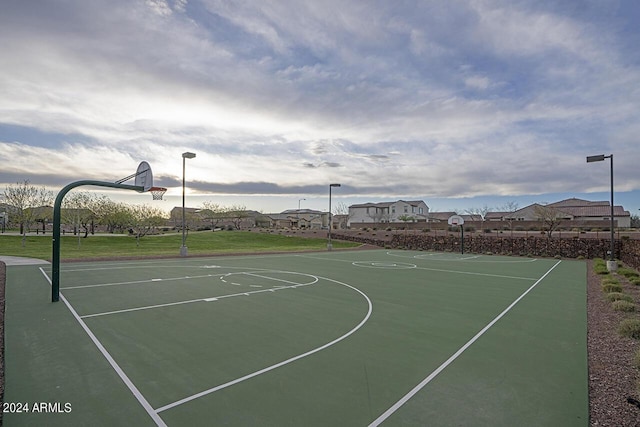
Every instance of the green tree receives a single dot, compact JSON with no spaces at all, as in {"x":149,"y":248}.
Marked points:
{"x":77,"y":211}
{"x":213,"y":213}
{"x":27,"y":203}
{"x":115,"y":216}
{"x":145,"y":219}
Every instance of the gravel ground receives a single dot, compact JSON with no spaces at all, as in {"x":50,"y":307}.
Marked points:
{"x":613,"y":380}
{"x":614,"y":393}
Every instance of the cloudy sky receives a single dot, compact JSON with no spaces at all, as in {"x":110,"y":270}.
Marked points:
{"x":458,"y":103}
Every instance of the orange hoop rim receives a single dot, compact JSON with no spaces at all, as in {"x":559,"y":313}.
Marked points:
{"x":157,"y":192}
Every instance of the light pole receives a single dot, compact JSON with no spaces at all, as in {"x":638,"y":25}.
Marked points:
{"x":611,"y":264}
{"x":298,"y":213}
{"x":185,"y":156}
{"x":329,"y":246}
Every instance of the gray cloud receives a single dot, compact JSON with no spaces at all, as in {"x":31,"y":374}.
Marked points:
{"x":276,"y":97}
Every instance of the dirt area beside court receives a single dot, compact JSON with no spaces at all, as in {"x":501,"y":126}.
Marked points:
{"x":613,"y":379}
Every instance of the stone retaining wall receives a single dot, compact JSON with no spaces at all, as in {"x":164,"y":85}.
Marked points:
{"x":627,"y":250}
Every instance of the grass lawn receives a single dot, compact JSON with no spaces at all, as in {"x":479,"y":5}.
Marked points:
{"x":205,"y":242}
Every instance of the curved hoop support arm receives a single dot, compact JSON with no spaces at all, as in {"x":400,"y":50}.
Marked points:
{"x":55,"y":258}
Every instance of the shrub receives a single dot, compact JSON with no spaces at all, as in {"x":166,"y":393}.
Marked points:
{"x":600,"y":269}
{"x":628,"y":273}
{"x":630,"y":328}
{"x":635,"y":281}
{"x":619,"y":296}
{"x":622,"y":305}
{"x":608,"y":288}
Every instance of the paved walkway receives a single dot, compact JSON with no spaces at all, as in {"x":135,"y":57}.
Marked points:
{"x":14,"y":260}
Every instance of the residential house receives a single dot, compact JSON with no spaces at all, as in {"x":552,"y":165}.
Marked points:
{"x":306,"y":218}
{"x":299,"y":218}
{"x":388,"y":212}
{"x":574,"y":210}
{"x":440,"y":216}
{"x":198,"y":218}
{"x":585,"y":210}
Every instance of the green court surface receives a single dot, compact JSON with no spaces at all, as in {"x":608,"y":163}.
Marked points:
{"x":353,"y":338}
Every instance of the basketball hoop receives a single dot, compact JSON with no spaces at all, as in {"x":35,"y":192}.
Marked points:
{"x":157,"y":192}
{"x":455,"y":220}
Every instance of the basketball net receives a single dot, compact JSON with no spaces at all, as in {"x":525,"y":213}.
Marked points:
{"x":157,"y":192}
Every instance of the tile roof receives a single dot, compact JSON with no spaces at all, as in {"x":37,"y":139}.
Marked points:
{"x":443,"y":216}
{"x":574,"y":202}
{"x":594,"y":211}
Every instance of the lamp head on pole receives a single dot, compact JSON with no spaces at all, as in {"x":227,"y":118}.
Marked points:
{"x":598,"y":158}
{"x":188,"y":155}
{"x":334,"y":185}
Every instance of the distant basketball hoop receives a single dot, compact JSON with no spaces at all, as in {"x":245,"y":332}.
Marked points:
{"x":455,"y":220}
{"x":157,"y":192}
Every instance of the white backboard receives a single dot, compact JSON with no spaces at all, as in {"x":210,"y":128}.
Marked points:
{"x":144,"y":176}
{"x":455,"y":220}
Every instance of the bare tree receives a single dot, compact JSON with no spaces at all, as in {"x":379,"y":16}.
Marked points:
{"x":25,"y":200}
{"x":379,"y":215}
{"x":342,"y":209}
{"x":511,"y":208}
{"x":481,"y":212}
{"x":237,"y":214}
{"x":551,"y":218}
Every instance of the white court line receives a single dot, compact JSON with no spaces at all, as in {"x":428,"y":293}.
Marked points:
{"x":208,"y":299}
{"x":324,"y":258}
{"x":134,"y":282}
{"x":450,"y":360}
{"x":471,"y":273}
{"x":283,"y":280}
{"x":146,"y":307}
{"x":134,"y":390}
{"x":280,"y":364}
{"x":106,"y":265}
{"x":426,"y":257}
{"x":429,"y":269}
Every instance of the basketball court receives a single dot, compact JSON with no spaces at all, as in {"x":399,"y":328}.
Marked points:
{"x":351,"y":338}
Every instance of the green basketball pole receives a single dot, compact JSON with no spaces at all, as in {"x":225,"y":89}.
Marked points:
{"x":55,"y":259}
